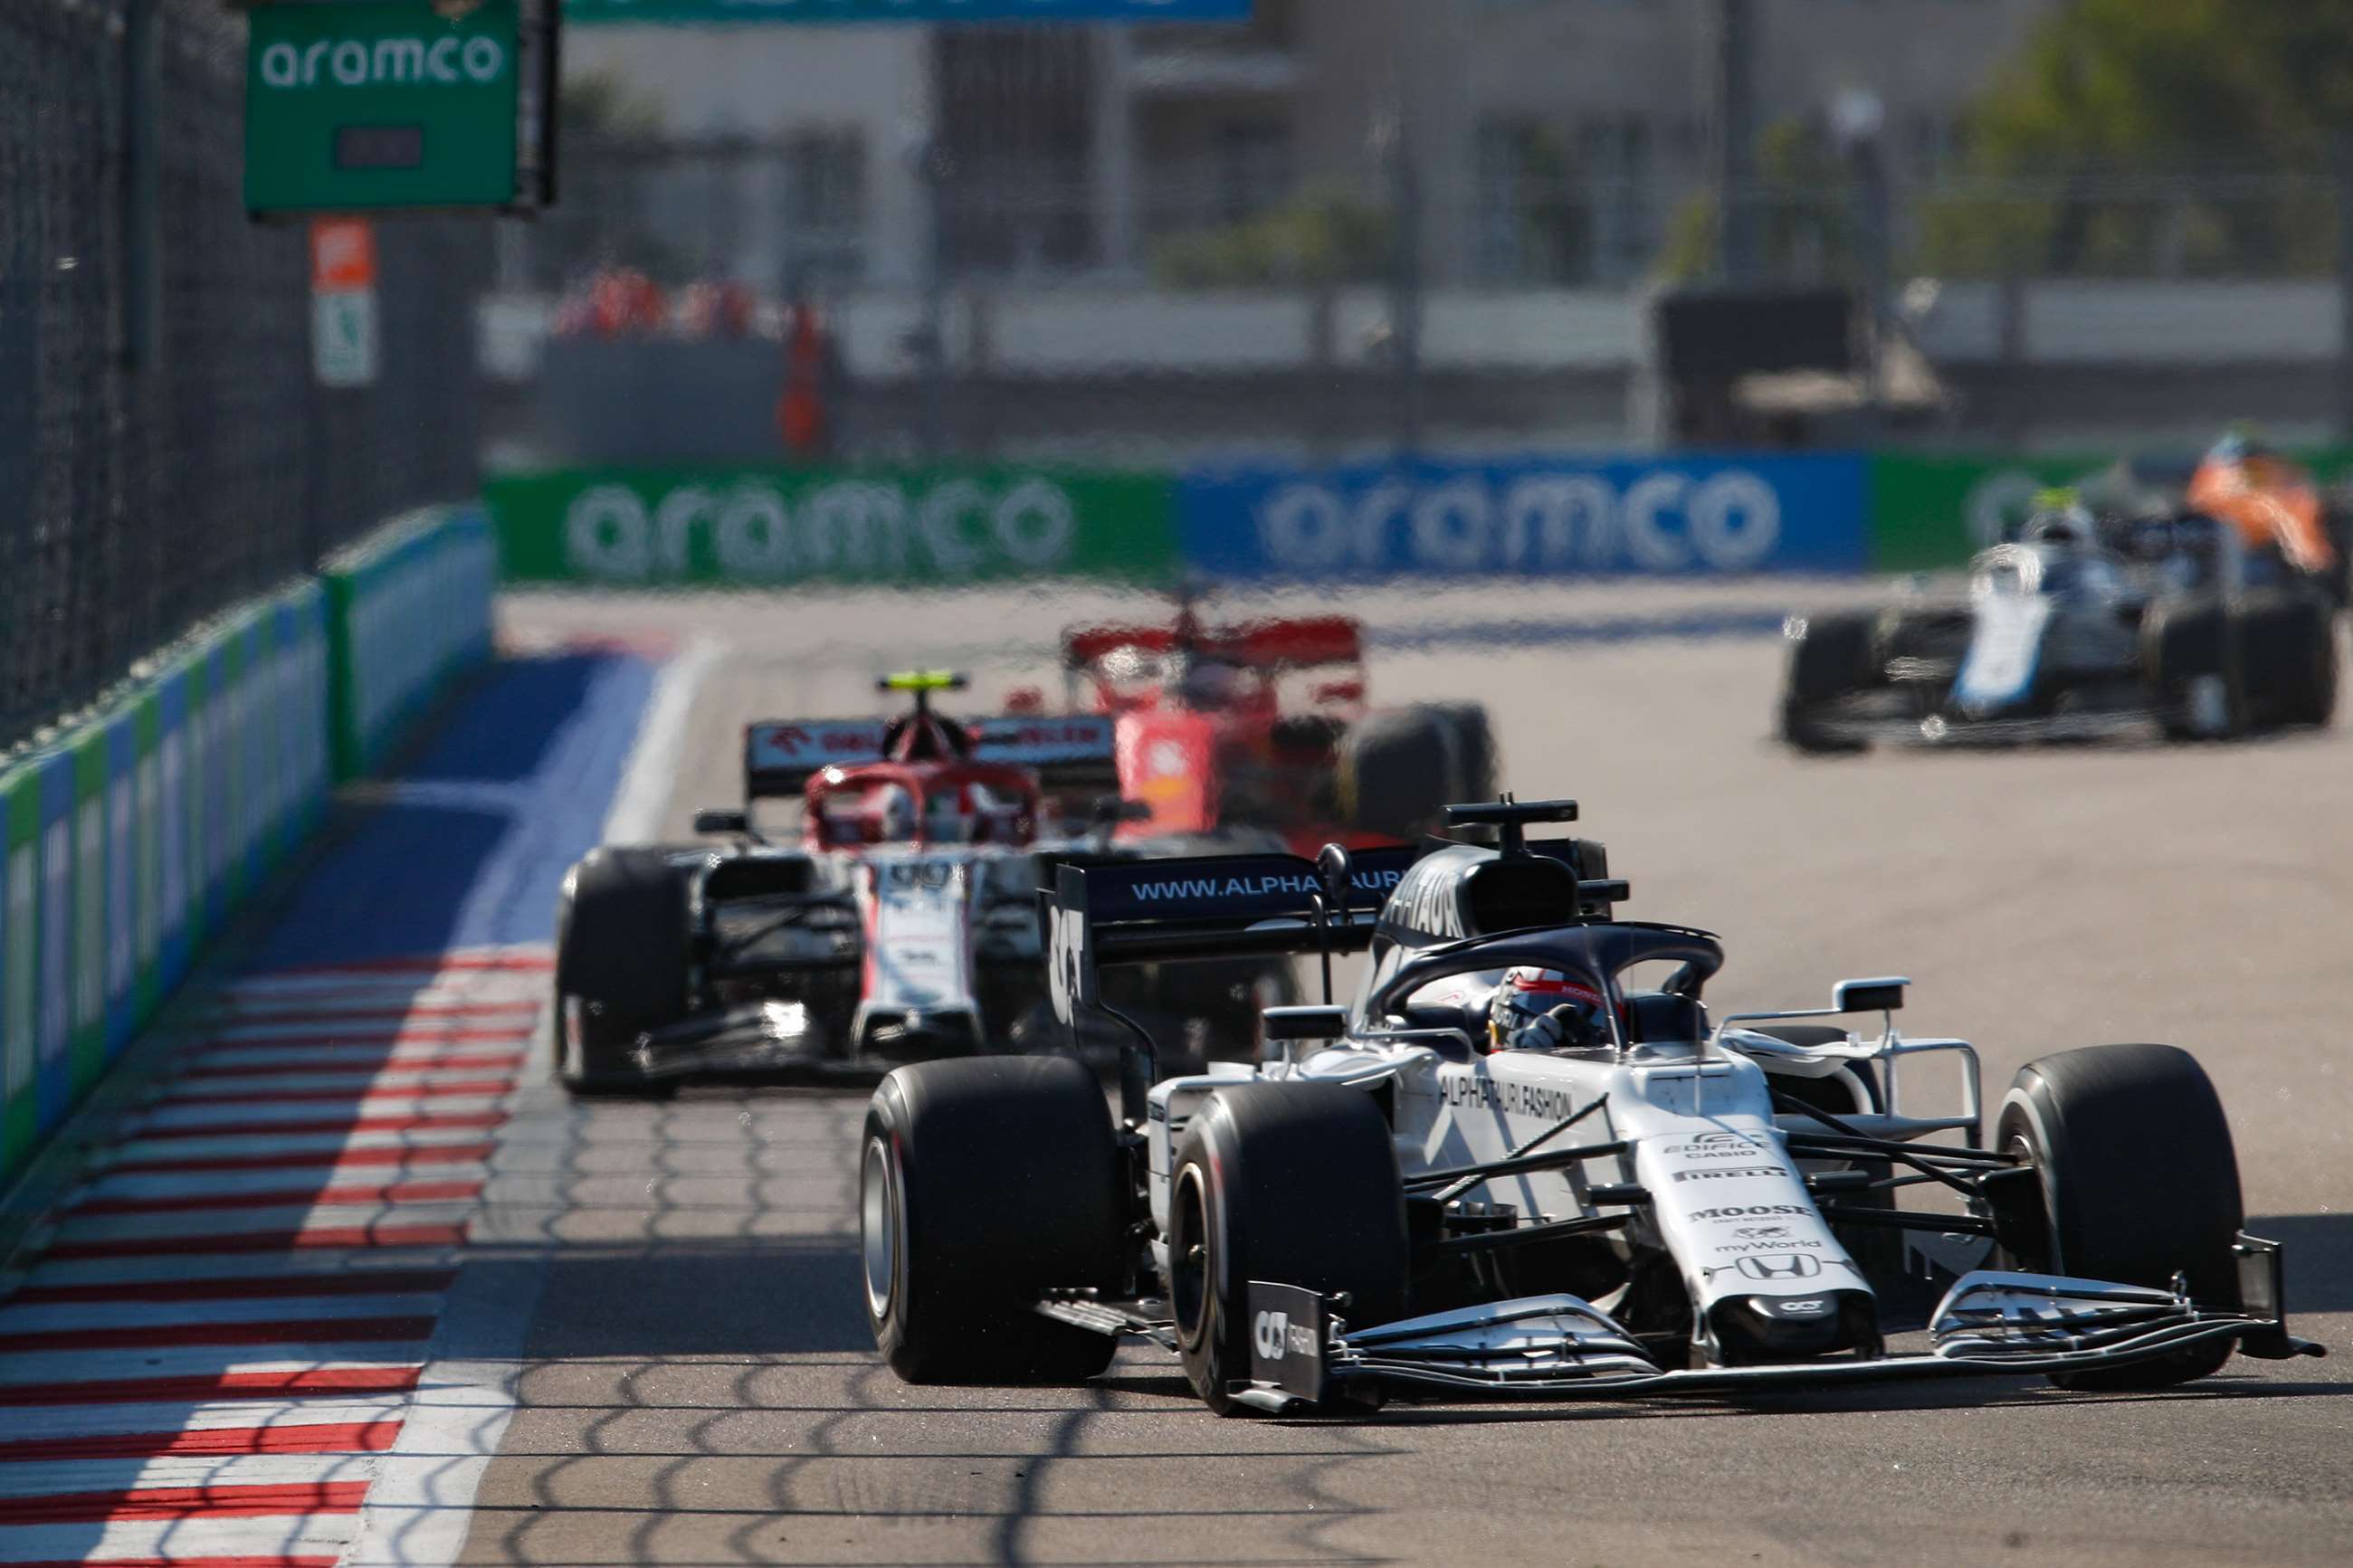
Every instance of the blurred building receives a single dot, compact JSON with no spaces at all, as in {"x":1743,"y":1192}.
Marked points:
{"x":773,"y":151}
{"x":1553,"y":140}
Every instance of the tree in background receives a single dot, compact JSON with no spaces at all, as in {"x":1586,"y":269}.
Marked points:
{"x":2132,"y":137}
{"x":1804,"y":217}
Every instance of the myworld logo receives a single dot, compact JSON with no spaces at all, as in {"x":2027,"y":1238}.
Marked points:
{"x":446,"y":61}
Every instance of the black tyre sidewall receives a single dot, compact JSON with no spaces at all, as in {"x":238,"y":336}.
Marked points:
{"x":1301,"y":1186}
{"x":1009,"y":1184}
{"x":1398,"y":772}
{"x":2289,"y":647}
{"x":1830,"y":661}
{"x":622,"y":935}
{"x":2139,"y":1180}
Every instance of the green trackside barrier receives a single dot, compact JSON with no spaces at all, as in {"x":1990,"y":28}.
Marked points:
{"x":20,"y":832}
{"x":1930,"y":511}
{"x":408,"y":608}
{"x":137,"y":829}
{"x":939,"y":526}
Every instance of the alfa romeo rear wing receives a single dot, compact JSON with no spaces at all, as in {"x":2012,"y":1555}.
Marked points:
{"x":1068,"y":754}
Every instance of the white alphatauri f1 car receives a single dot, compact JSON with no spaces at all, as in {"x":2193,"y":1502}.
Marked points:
{"x":1405,"y":1209}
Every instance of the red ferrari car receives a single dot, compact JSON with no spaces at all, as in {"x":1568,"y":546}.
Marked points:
{"x":1265,"y":724}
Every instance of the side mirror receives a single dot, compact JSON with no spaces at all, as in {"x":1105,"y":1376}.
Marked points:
{"x":1334,"y":869}
{"x":715,"y":820}
{"x":1289,"y":1024}
{"x":1885,"y":995}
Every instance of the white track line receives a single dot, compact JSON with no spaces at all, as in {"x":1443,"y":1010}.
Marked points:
{"x":193,"y":1361}
{"x":264,"y":1536}
{"x":200,"y":1114}
{"x":64,"y":1317}
{"x":643,"y":798}
{"x":61,"y":1422}
{"x":402,"y":1057}
{"x":421,"y":1506}
{"x":47,"y":1478}
{"x":350,"y":1085}
{"x":133,"y":1187}
{"x":363,"y":1031}
{"x":250,"y":1145}
{"x":205,"y":1223}
{"x":164,"y":1268}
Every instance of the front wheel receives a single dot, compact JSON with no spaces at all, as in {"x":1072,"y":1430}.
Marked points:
{"x":984,"y":1182}
{"x":2138,"y":1181}
{"x":622,"y":933}
{"x":1291,"y":1183}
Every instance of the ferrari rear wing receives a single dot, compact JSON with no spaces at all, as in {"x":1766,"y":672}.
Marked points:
{"x":1298,"y":642}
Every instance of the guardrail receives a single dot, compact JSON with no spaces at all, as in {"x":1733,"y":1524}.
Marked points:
{"x":134,"y":833}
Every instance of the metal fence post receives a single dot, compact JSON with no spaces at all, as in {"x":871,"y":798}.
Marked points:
{"x":2341,"y":158}
{"x":1396,"y":151}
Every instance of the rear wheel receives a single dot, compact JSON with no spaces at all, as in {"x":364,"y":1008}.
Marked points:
{"x":1830,"y":659}
{"x":621,"y":936}
{"x":2288,"y":650}
{"x":2185,"y":656}
{"x":1292,"y":1183}
{"x":984,"y":1182}
{"x":1402,"y":767}
{"x":2140,"y":1181}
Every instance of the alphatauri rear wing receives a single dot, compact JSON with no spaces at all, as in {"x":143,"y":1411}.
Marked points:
{"x":1218,"y":906}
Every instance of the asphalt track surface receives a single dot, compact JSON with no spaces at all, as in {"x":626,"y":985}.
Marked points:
{"x":698,"y":1386}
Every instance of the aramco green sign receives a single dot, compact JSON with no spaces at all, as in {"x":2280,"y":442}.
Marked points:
{"x":361,"y":105}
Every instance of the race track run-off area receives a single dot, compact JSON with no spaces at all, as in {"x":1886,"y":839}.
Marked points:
{"x":353,"y":1281}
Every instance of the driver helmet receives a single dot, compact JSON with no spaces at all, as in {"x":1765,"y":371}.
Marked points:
{"x":1209,"y":683}
{"x":1542,"y":1010}
{"x":951,"y":820}
{"x":894,"y":812}
{"x":2240,"y":443}
{"x":2060,"y":516}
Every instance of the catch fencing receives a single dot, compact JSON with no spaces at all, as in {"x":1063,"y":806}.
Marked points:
{"x":1240,"y":305}
{"x":164,"y":454}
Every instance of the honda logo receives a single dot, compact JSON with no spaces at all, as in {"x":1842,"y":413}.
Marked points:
{"x":1781,"y":1266}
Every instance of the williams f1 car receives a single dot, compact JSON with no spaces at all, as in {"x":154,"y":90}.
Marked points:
{"x":2081,"y":628}
{"x":1400,"y":1205}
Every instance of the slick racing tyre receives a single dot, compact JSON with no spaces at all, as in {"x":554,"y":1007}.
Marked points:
{"x":1830,"y":659}
{"x":2287,"y":643}
{"x":621,"y":938}
{"x":1474,"y":750}
{"x":1402,"y":767}
{"x":1292,"y":1183}
{"x":2185,"y":656}
{"x":2138,"y":1180}
{"x":983,"y":1183}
